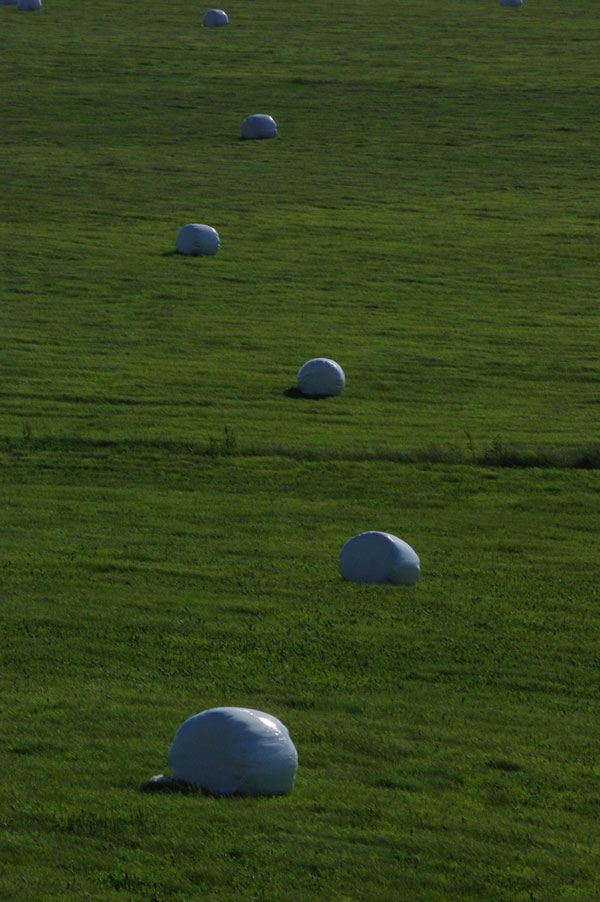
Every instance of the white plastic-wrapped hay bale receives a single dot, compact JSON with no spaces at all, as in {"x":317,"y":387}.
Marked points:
{"x":259,"y":126}
{"x":215,"y":18}
{"x":511,"y":2}
{"x":321,"y":376}
{"x":30,"y":4}
{"x":197,"y":240}
{"x":378,"y":557}
{"x":234,"y":750}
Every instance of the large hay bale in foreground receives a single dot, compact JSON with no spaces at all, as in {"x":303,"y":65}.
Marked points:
{"x":197,"y":240}
{"x":234,"y":750}
{"x":259,"y":126}
{"x":321,"y":376}
{"x":379,"y":557}
{"x":30,"y":4}
{"x":215,"y":18}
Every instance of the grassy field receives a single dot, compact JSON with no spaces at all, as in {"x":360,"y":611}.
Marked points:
{"x":171,"y":514}
{"x":445,"y":733}
{"x":428,"y":217}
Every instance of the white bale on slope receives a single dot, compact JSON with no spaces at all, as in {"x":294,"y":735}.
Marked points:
{"x":378,"y":557}
{"x":197,"y":240}
{"x":511,"y":2}
{"x":30,"y":4}
{"x":321,"y":376}
{"x":259,"y":126}
{"x":234,"y":750}
{"x":215,"y":18}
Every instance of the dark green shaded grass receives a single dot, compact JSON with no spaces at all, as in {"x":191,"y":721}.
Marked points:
{"x":496,"y":454}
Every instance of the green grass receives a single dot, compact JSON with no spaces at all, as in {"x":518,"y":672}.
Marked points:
{"x":443,"y":731}
{"x":171,"y":515}
{"x":427,"y":217}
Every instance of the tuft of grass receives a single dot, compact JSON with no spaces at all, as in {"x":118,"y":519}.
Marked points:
{"x":225,"y":447}
{"x":507,"y":454}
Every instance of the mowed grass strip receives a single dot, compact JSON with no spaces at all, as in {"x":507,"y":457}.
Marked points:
{"x":443,"y":731}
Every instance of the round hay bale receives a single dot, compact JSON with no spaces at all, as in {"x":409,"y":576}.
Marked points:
{"x":234,"y":750}
{"x":378,"y":557}
{"x":8,"y":2}
{"x":511,"y":2}
{"x":30,"y":4}
{"x":320,"y":377}
{"x":197,"y":240}
{"x":259,"y":126}
{"x":215,"y":18}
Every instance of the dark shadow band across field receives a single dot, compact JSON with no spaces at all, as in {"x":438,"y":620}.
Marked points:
{"x":494,"y":454}
{"x":294,"y":392}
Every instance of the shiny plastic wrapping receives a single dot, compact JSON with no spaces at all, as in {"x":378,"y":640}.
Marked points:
{"x":378,"y":557}
{"x":321,"y":376}
{"x":259,"y":126}
{"x":215,"y":18}
{"x":197,"y":240}
{"x":234,"y":750}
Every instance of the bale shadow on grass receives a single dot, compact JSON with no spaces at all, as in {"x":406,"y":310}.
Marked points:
{"x":502,"y":764}
{"x":172,"y":253}
{"x":162,"y":784}
{"x":294,"y":392}
{"x":166,"y":785}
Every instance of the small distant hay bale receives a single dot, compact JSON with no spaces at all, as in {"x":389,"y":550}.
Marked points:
{"x":379,"y":557}
{"x":30,"y":4}
{"x":321,"y":377}
{"x":197,"y":240}
{"x":215,"y":18}
{"x":259,"y":126}
{"x":234,"y":750}
{"x":511,"y":2}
